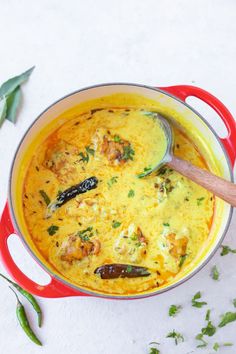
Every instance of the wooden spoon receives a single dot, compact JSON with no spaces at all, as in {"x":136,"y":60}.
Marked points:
{"x":218,"y":186}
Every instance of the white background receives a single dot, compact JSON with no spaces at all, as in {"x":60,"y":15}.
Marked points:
{"x":78,"y":43}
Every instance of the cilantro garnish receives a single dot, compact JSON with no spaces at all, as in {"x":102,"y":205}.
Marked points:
{"x":196,"y":303}
{"x":174,"y":310}
{"x":178,"y":337}
{"x":52,"y":230}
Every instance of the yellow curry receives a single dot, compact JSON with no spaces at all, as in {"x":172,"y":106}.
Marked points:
{"x":96,"y":218}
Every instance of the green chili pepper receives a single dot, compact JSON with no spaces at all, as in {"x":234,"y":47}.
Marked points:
{"x":23,"y":320}
{"x":29,"y":297}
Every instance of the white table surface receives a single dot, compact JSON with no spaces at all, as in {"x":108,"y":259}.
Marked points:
{"x":78,"y":43}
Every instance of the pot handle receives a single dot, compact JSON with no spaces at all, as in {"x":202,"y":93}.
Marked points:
{"x":52,"y":290}
{"x":184,"y":91}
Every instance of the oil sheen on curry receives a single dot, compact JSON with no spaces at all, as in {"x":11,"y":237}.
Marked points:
{"x":94,"y":216}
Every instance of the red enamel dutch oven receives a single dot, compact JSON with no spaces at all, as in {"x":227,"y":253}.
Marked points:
{"x":174,"y":97}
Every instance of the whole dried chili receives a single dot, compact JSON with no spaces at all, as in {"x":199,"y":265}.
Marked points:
{"x":116,"y":270}
{"x":72,"y":192}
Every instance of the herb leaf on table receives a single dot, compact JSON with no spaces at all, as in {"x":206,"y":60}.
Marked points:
{"x":227,"y":318}
{"x":13,"y":103}
{"x":226,"y":250}
{"x":3,"y":109}
{"x":10,"y":96}
{"x":178,"y":337}
{"x":10,"y":85}
{"x":196,"y":303}
{"x":215,"y":273}
{"x":174,"y":310}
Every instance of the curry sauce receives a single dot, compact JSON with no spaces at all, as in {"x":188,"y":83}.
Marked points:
{"x":152,"y":225}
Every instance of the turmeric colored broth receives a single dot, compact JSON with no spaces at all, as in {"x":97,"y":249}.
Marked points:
{"x":159,"y":222}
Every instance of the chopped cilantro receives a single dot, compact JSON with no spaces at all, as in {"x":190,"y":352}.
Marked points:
{"x":145,"y":171}
{"x":174,"y":310}
{"x":207,"y":318}
{"x":134,"y":237}
{"x":215,"y":273}
{"x":85,"y":234}
{"x":209,"y":330}
{"x":234,"y":302}
{"x":45,"y":197}
{"x":85,"y":156}
{"x":227,"y":318}
{"x":178,"y":337}
{"x":52,"y":230}
{"x":166,"y":224}
{"x":199,"y":200}
{"x":117,"y":139}
{"x":90,"y":150}
{"x":154,"y":351}
{"x":128,"y":153}
{"x":182,"y":260}
{"x":112,"y":181}
{"x":116,"y":224}
{"x":198,"y":304}
{"x":226,"y":250}
{"x":216,"y":346}
{"x":131,"y":193}
{"x":203,"y":343}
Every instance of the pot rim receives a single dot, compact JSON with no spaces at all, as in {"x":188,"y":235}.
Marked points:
{"x":93,"y":292}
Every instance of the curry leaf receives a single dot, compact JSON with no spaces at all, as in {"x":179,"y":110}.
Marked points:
{"x":13,"y":102}
{"x":3,"y":109}
{"x":10,"y":85}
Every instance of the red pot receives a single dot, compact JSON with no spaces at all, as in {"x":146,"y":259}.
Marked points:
{"x":174,"y":95}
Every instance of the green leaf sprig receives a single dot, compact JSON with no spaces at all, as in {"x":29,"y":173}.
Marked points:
{"x":226,"y":250}
{"x":174,"y":310}
{"x":10,"y":96}
{"x":178,"y":337}
{"x":196,"y":303}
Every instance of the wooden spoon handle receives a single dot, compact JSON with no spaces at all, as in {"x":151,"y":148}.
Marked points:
{"x":217,"y":185}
